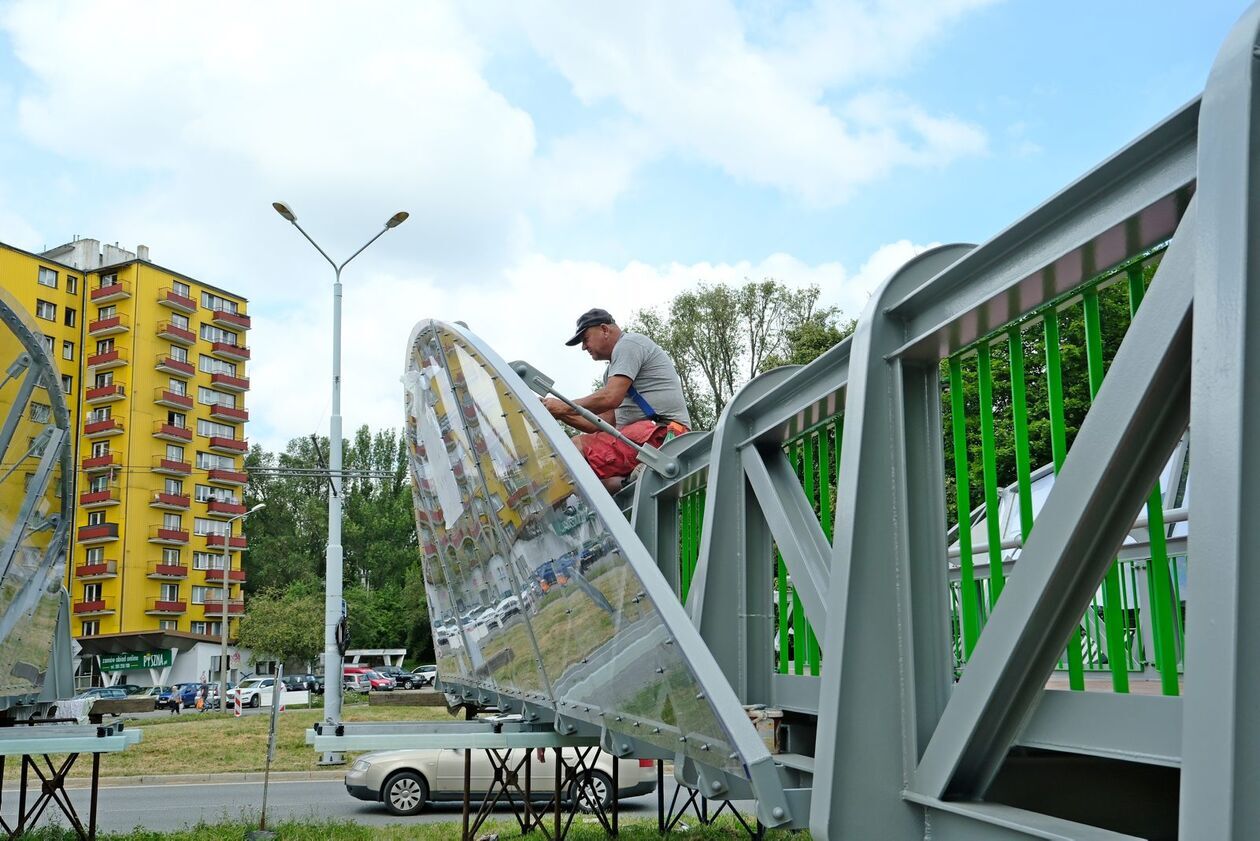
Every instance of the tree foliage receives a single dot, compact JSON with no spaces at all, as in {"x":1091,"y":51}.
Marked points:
{"x":720,"y":336}
{"x":284,"y":624}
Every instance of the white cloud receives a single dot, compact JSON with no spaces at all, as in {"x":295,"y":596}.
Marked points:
{"x":527,"y":314}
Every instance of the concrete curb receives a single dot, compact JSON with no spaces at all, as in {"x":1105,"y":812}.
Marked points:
{"x":207,"y":779}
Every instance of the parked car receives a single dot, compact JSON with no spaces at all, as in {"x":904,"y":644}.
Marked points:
{"x":378,"y":682}
{"x":405,"y":780}
{"x":426,"y":675}
{"x":401,"y":679}
{"x":109,"y":693}
{"x":251,"y":691}
{"x":355,"y":682}
{"x":130,"y":688}
{"x":189,"y":692}
{"x":308,"y":682}
{"x":161,"y":696}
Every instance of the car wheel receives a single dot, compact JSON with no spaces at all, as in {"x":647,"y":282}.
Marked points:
{"x":256,"y":701}
{"x":405,"y":793}
{"x":595,"y":788}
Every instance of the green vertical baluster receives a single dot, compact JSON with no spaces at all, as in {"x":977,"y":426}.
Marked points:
{"x":962,"y":493}
{"x":988,"y":453}
{"x":800,"y":628}
{"x":1163,"y":632}
{"x":810,"y":467}
{"x":1112,"y":608}
{"x":1019,"y":413}
{"x":684,"y":555}
{"x":1058,"y":447}
{"x":825,"y":480}
{"x":783,"y":612}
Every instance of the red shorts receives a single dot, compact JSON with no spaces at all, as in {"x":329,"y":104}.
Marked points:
{"x":609,"y":456}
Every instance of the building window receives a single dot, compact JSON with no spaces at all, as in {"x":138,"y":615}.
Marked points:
{"x":175,"y":386}
{"x":168,"y":624}
{"x":96,"y":518}
{"x":210,"y":365}
{"x":172,"y":521}
{"x":203,"y":526}
{"x":207,"y":560}
{"x":210,"y":397}
{"x":174,"y":486}
{"x":72,"y":284}
{"x":170,"y":593}
{"x":46,"y":310}
{"x":50,"y":344}
{"x":211,"y":429}
{"x":67,"y":384}
{"x":100,"y":448}
{"x":104,"y":345}
{"x":170,"y":556}
{"x":95,"y":555}
{"x":107,"y":311}
{"x":40,"y":413}
{"x":47,"y":277}
{"x":214,"y":302}
{"x":180,"y":320}
{"x":212,"y":461}
{"x":70,"y":314}
{"x":181,"y":288}
{"x":91,"y":592}
{"x":211,"y":333}
{"x":108,"y":280}
{"x":175,"y":452}
{"x":99,"y":483}
{"x":67,"y":350}
{"x":177,"y":419}
{"x":179,"y":354}
{"x":199,"y":594}
{"x":205,"y":493}
{"x":211,"y":629}
{"x":91,"y":627}
{"x":99,"y":414}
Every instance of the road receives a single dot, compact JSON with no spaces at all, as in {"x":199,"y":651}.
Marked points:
{"x":170,"y":807}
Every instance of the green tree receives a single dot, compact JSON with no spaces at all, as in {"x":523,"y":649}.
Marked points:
{"x":284,"y":625}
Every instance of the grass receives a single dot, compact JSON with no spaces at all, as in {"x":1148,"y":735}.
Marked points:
{"x":584,"y":829}
{"x":212,"y":743}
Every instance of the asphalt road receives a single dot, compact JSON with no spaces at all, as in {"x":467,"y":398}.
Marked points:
{"x":170,"y":807}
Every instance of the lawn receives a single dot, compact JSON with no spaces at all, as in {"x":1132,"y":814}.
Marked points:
{"x":210,"y":743}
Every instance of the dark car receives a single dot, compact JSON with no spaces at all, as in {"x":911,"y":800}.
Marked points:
{"x":109,"y":693}
{"x":188,"y":693}
{"x":307,"y":682}
{"x":402,"y":680}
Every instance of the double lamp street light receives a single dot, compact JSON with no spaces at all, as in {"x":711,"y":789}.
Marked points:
{"x":333,"y":558}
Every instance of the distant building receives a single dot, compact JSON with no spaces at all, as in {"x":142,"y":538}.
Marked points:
{"x":152,"y":363}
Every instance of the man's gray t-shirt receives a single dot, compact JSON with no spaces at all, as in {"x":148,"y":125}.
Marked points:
{"x":652,"y":374}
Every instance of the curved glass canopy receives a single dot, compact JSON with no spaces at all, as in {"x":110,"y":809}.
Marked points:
{"x":535,"y":581}
{"x":34,"y":503}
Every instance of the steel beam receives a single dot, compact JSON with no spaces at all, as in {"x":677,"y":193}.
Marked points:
{"x":1221,"y":744}
{"x":1137,"y":419}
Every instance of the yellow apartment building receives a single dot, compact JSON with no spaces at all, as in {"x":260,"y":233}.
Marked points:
{"x":153,"y":365}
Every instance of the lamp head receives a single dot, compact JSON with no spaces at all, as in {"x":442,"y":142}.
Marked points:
{"x":397,"y":219}
{"x":260,"y":506}
{"x":284,"y":210}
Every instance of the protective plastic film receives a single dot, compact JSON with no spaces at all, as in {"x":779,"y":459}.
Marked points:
{"x":34,"y":527}
{"x":531,"y":594}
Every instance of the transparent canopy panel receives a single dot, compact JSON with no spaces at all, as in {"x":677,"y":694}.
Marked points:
{"x":34,"y":502}
{"x":538,"y":588}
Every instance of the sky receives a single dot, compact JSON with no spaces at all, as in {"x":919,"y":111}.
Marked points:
{"x":554,"y":156}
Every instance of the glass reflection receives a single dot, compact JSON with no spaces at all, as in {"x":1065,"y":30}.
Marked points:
{"x":34,"y":526}
{"x":530,"y":594}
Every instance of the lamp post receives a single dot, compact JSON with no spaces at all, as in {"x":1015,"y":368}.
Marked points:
{"x":223,"y":622}
{"x":333,"y":557}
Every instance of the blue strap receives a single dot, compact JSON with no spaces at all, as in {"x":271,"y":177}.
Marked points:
{"x":644,"y":406}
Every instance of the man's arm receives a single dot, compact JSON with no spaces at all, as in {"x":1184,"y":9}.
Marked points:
{"x":603,"y":403}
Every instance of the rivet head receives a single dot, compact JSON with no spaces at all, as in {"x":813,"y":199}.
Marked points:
{"x":778,"y":812}
{"x":715,"y":786}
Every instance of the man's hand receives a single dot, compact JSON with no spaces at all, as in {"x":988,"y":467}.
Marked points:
{"x":557,"y":408}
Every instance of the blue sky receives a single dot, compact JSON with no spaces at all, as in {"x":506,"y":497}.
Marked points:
{"x":555,"y":157}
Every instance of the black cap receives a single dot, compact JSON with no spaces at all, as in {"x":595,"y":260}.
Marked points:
{"x":590,"y":318}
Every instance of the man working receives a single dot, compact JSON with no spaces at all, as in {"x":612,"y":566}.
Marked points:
{"x":642,"y":396}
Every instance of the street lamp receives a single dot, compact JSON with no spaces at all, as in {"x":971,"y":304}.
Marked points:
{"x":332,"y":558}
{"x":223,"y":622}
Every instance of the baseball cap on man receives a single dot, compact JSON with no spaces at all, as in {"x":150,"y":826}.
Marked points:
{"x":590,"y":318}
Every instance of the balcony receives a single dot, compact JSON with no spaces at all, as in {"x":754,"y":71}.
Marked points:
{"x":98,"y":499}
{"x":161,"y":607}
{"x":106,"y":292}
{"x":166,"y":397}
{"x":167,"y":572}
{"x":170,"y":502}
{"x":231,"y":446}
{"x":230,"y":320}
{"x":171,"y":365}
{"x":171,"y":467}
{"x":96,"y":464}
{"x":105,"y":394}
{"x":215,"y":608}
{"x":170,"y":432}
{"x":95,"y":572}
{"x":215,"y":576}
{"x":228,"y":477}
{"x":215,"y":541}
{"x":111,"y":326}
{"x":168,"y":537}
{"x":176,"y":335}
{"x":227,"y":350}
{"x":227,"y":382}
{"x":96,"y":607}
{"x":223,"y":508}
{"x":97,"y":534}
{"x":229,"y":413}
{"x":115,"y":358}
{"x":172,"y":299}
{"x":102,"y":428}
